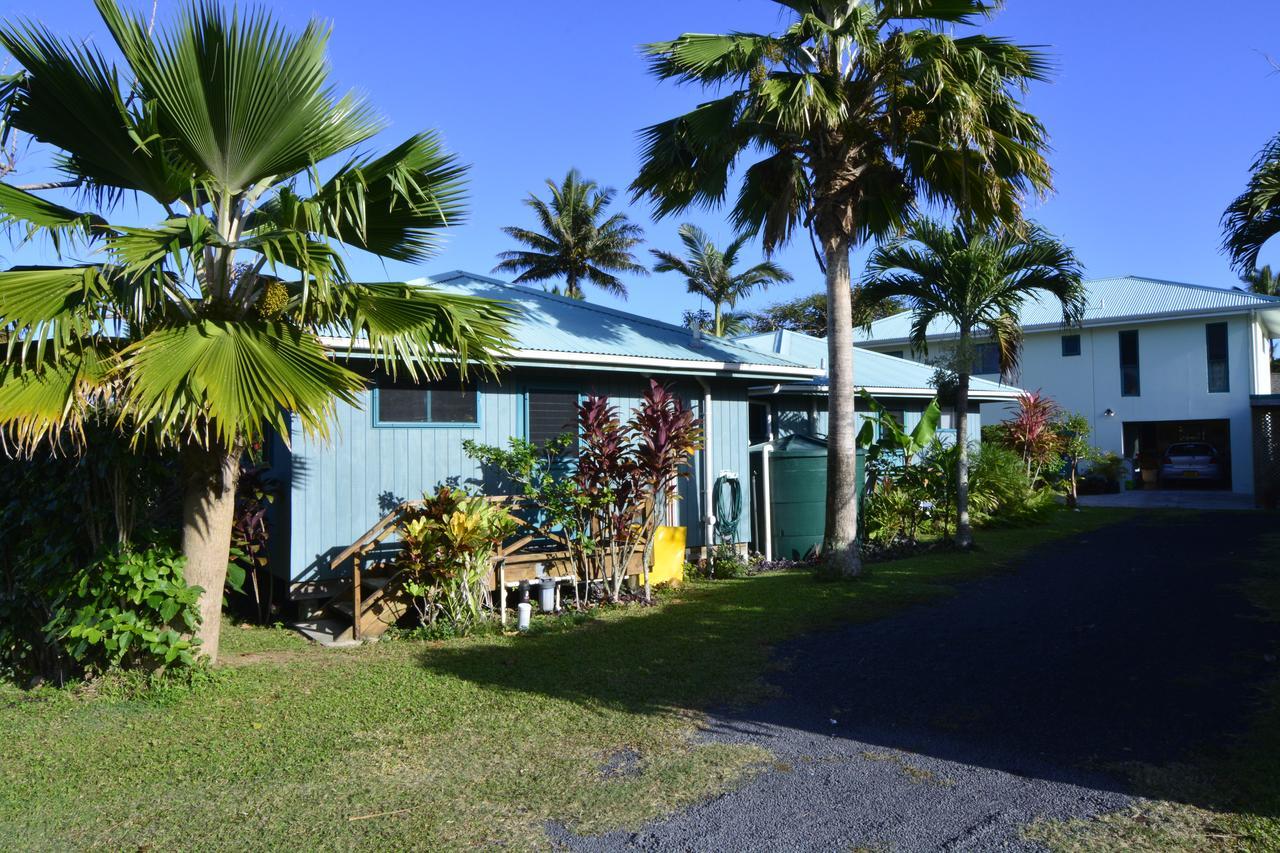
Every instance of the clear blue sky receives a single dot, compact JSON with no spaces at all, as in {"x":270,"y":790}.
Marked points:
{"x":1156,"y":112}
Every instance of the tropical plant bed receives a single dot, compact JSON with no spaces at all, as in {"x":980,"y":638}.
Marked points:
{"x":447,"y":744}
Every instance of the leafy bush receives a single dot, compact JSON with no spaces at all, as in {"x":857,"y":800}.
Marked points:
{"x":446,"y":544}
{"x":129,"y":609}
{"x":725,"y":563}
{"x":58,"y":513}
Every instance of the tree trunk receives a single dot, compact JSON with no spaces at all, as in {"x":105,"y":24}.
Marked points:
{"x":964,"y":532}
{"x":718,"y":322}
{"x":208,"y":511}
{"x":840,"y":541}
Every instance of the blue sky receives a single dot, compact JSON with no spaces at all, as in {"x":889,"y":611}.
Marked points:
{"x":1156,"y":112}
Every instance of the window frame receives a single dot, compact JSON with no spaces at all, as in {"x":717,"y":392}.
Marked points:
{"x":378,"y":423}
{"x":1209,"y":360}
{"x":1137,"y":362}
{"x":980,"y":347}
{"x":550,"y":388}
{"x":1079,"y":346}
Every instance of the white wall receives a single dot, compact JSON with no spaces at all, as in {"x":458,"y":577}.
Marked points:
{"x":1174,"y":374}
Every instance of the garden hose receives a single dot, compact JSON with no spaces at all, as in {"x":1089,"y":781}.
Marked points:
{"x":727,"y":500}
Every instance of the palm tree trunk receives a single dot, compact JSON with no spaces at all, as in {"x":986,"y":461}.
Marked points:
{"x":964,"y":532}
{"x":840,"y":541}
{"x":208,"y":511}
{"x":719,"y":323}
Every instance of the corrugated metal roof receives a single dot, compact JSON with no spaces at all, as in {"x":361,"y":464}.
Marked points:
{"x":1109,"y":300}
{"x":551,"y":323}
{"x":870,"y":369}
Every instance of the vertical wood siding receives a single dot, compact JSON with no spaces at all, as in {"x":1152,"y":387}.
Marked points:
{"x":337,"y":489}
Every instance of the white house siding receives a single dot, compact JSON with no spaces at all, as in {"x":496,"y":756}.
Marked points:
{"x":1173,"y":371}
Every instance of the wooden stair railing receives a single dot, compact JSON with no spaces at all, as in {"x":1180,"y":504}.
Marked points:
{"x":375,"y":600}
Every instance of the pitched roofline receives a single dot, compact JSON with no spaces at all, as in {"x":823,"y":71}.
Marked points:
{"x":634,"y":319}
{"x":1262,"y":303}
{"x":535,"y":357}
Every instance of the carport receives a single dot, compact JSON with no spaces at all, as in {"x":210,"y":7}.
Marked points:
{"x":1146,"y":441}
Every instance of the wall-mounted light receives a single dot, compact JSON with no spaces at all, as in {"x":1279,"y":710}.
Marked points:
{"x":1109,"y":413}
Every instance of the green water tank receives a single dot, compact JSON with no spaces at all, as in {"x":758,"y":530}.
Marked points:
{"x":798,"y":483}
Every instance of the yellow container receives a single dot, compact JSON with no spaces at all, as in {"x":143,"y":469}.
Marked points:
{"x":668,"y":555}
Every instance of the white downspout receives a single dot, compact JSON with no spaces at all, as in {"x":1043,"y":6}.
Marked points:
{"x":1255,"y":355}
{"x":768,"y":502}
{"x":708,"y":484}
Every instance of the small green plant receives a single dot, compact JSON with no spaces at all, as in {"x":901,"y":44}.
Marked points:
{"x":129,"y":609}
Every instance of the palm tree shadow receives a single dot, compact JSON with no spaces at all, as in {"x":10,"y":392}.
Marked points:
{"x":1073,"y":670}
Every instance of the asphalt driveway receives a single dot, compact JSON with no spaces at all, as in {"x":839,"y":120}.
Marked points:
{"x":1031,"y":695}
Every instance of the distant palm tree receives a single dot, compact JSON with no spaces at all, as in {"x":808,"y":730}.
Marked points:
{"x":708,"y":271}
{"x":1262,"y":280}
{"x":977,"y":279}
{"x":576,"y":243}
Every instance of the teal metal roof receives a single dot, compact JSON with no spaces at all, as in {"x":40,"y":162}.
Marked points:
{"x":1110,"y":300}
{"x":870,"y":369}
{"x":556,"y":324}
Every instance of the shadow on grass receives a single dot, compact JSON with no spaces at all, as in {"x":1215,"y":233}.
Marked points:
{"x":1124,"y":646}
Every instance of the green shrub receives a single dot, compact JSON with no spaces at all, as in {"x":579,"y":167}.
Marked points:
{"x":725,"y":563}
{"x":1000,"y":490}
{"x":129,"y":609}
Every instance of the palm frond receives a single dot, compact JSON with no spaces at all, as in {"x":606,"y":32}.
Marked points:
{"x":238,"y":94}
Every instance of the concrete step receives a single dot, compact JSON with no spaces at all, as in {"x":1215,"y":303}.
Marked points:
{"x":327,"y":632}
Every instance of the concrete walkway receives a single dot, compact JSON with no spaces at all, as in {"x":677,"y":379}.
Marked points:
{"x":1172,"y":499}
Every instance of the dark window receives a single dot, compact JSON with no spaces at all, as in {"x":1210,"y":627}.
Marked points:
{"x":1215,"y":342}
{"x":552,"y":414}
{"x":898,"y":416}
{"x":986,"y":359}
{"x":897,"y":353}
{"x":427,"y":404}
{"x":1070,"y":345}
{"x":1130,"y":381}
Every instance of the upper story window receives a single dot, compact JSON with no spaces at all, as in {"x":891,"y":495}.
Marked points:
{"x":1215,"y":344}
{"x":434,"y":404}
{"x":897,"y":353}
{"x":1130,"y":378}
{"x":552,"y":414}
{"x":1070,"y":345}
{"x":986,"y":358}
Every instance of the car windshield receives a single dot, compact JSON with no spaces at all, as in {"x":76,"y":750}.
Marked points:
{"x":1190,"y":450}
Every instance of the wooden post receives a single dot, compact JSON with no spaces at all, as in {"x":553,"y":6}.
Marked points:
{"x":355,"y":597}
{"x":502,"y":592}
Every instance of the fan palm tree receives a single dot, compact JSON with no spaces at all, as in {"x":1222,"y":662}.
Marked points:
{"x":976,"y":278}
{"x":577,"y":243}
{"x":209,"y":328}
{"x":708,"y":271}
{"x":1254,"y":217}
{"x":851,"y":114}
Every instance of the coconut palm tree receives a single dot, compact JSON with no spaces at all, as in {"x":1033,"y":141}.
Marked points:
{"x":1262,"y":280}
{"x":577,"y":243}
{"x":851,"y":114}
{"x":1254,"y":217}
{"x":211,"y":327}
{"x":708,"y":271}
{"x":977,"y":279}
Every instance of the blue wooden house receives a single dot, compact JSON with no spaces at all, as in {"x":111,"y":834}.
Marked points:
{"x":403,"y":439}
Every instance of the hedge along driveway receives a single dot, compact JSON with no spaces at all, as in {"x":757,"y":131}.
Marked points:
{"x":444,"y":744}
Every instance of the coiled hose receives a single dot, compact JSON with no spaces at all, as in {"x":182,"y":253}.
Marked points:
{"x":727,"y":500}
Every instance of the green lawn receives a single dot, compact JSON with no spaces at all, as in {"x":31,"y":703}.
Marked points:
{"x":405,"y":743}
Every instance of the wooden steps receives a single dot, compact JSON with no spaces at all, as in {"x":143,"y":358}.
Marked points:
{"x":381,"y":604}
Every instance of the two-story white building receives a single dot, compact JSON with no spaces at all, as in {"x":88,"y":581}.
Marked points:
{"x":1153,"y":363}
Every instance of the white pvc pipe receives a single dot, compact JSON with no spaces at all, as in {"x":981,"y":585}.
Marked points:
{"x":767,"y":498}
{"x":708,"y":482}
